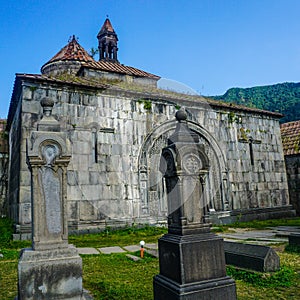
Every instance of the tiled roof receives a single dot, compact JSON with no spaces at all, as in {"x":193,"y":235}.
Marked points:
{"x":290,"y":134}
{"x":72,"y":51}
{"x":181,"y":99}
{"x":106,"y":27}
{"x":118,"y":68}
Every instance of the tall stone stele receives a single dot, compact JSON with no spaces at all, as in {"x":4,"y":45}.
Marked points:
{"x":191,"y":258}
{"x":51,"y":269}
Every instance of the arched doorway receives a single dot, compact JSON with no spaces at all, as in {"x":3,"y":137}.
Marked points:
{"x":151,"y":182}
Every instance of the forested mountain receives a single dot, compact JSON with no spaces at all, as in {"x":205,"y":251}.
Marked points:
{"x":282,"y":97}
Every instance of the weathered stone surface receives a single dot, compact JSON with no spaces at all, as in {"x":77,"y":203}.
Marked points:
{"x":151,"y":246}
{"x":192,"y":267}
{"x":254,"y":257}
{"x":109,"y":250}
{"x":191,"y":259}
{"x":293,"y":174}
{"x":51,"y":274}
{"x":87,"y":251}
{"x":51,"y":269}
{"x":132,"y":248}
{"x":133,"y":257}
{"x":222,"y":288}
{"x":152,"y":252}
{"x":48,"y":159}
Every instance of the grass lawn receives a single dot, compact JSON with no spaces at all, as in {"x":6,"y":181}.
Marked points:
{"x":114,"y":276}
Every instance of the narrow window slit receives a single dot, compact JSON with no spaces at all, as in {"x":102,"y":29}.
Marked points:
{"x":95,"y":146}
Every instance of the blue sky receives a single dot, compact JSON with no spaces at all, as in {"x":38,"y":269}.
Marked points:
{"x":209,"y":45}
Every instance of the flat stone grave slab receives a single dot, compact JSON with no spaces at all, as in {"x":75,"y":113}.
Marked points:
{"x":253,"y":257}
{"x":261,"y":237}
{"x":151,"y":246}
{"x":153,"y":252}
{"x":133,"y":257}
{"x":110,"y":250}
{"x":249,"y":234}
{"x":86,"y":250}
{"x":261,"y":242}
{"x":285,"y":230}
{"x":132,"y":248}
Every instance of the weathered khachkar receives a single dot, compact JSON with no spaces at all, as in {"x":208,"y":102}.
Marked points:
{"x":52,"y":269}
{"x":191,"y":258}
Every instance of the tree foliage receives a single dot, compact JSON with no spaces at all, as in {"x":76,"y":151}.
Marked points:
{"x":283,"y":98}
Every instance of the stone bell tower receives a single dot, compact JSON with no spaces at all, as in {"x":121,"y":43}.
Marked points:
{"x":107,"y":43}
{"x":191,"y":258}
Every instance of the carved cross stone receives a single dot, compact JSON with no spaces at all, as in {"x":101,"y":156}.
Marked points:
{"x":191,"y":258}
{"x":48,"y":161}
{"x":185,"y":165}
{"x":52,"y":269}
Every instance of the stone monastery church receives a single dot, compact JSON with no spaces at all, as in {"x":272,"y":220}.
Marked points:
{"x":117,"y":122}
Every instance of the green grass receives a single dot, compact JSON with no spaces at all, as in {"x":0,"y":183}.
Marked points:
{"x":292,"y":249}
{"x":116,"y":277}
{"x":123,"y":237}
{"x":282,"y":278}
{"x":260,"y":224}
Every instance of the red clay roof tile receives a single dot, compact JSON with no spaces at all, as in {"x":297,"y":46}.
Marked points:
{"x":72,"y":51}
{"x":106,"y":26}
{"x":118,"y":68}
{"x":290,"y":134}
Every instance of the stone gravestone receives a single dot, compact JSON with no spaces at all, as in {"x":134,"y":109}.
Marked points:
{"x":254,"y":257}
{"x":191,"y":258}
{"x":294,"y":239}
{"x":51,"y":269}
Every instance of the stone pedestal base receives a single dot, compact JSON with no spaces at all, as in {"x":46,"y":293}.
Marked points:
{"x":50,"y":274}
{"x":192,"y":267}
{"x":217,"y":289}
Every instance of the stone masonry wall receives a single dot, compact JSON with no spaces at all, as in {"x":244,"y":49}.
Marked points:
{"x":107,"y":133}
{"x":293,"y":175}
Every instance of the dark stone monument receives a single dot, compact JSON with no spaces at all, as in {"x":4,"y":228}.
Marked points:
{"x":191,"y":258}
{"x":51,"y":269}
{"x":294,"y":239}
{"x":253,"y":257}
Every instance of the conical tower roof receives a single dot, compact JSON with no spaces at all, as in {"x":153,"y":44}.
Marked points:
{"x":69,"y":59}
{"x":72,"y":51}
{"x":106,"y":27}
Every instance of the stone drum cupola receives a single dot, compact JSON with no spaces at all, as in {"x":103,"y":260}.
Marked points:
{"x":107,"y":43}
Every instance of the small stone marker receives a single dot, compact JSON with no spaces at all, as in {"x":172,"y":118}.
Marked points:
{"x":253,"y":257}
